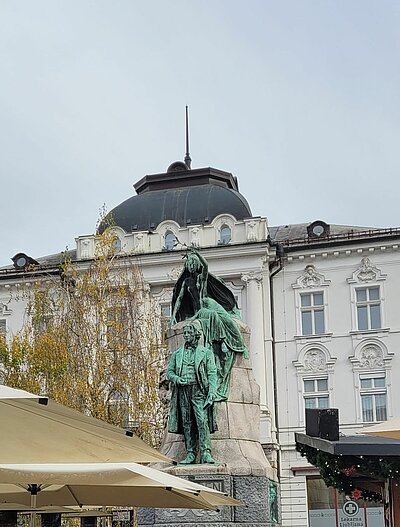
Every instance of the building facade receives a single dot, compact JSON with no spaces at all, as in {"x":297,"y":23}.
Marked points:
{"x":321,"y":302}
{"x":170,"y":213}
{"x":336,"y":336}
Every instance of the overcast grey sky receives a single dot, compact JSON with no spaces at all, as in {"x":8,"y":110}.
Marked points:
{"x":300,"y":99}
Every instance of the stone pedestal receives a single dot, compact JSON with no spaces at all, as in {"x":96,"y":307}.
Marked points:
{"x":242,"y":470}
{"x":256,"y":492}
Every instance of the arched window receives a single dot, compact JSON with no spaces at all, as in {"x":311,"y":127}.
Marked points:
{"x":116,"y":245}
{"x":225,"y":234}
{"x":170,"y":241}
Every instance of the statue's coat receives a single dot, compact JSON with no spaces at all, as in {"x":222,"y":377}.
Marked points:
{"x":206,"y":373}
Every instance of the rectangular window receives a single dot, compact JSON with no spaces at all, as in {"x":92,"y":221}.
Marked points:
{"x":368,"y":308}
{"x":312,"y":313}
{"x":166,"y":311}
{"x":315,"y":392}
{"x":3,"y":327}
{"x":117,"y":328}
{"x":373,"y":397}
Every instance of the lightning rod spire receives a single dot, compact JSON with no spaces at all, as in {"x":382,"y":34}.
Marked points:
{"x":188,"y":159}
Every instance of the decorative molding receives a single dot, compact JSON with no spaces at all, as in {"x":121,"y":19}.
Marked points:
{"x":252,"y":276}
{"x":224,"y":219}
{"x":371,"y":354}
{"x":343,"y":253}
{"x":310,"y":279}
{"x":86,"y":248}
{"x":251,"y":231}
{"x":165,"y":296}
{"x":371,"y":357}
{"x":117,"y":230}
{"x":189,"y":514}
{"x":139,"y":242}
{"x":175,"y":273}
{"x":195,"y":236}
{"x":168,"y":225}
{"x":366,"y":272}
{"x":146,"y":287}
{"x":314,"y":358}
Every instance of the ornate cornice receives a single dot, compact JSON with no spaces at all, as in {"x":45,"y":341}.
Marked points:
{"x":252,"y":276}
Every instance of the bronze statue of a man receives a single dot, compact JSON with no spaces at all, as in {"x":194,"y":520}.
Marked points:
{"x":193,"y":374}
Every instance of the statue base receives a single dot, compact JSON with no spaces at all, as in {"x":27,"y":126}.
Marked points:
{"x":258,"y":493}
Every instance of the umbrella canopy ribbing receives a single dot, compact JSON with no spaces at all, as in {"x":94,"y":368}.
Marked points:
{"x":39,"y":430}
{"x":105,"y":484}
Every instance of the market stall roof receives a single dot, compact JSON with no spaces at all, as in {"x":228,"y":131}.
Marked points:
{"x":353,"y":445}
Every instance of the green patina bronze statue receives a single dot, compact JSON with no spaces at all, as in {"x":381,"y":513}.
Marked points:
{"x":200,"y":295}
{"x":193,"y":374}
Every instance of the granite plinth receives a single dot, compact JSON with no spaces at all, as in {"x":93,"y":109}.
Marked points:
{"x":252,"y":491}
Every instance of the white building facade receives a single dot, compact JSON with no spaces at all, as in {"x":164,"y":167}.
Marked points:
{"x":336,"y":305}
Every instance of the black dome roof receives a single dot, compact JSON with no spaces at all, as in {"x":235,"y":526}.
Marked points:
{"x":185,"y":196}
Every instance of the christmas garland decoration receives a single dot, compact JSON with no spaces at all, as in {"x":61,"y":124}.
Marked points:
{"x":339,"y":471}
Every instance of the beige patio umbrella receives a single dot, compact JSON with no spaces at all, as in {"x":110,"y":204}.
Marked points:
{"x":103,"y":484}
{"x":390,"y":429}
{"x":38,"y":430}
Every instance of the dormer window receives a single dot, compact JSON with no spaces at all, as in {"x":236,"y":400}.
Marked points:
{"x":116,"y":245}
{"x":114,"y":240}
{"x":22,"y":261}
{"x":318,"y":229}
{"x":170,"y":241}
{"x":225,"y":235}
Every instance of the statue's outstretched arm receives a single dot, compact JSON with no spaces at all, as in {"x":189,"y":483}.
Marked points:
{"x":202,"y":260}
{"x":203,"y":276}
{"x":177,"y":305}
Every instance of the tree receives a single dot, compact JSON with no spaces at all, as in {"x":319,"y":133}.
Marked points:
{"x":93,"y":341}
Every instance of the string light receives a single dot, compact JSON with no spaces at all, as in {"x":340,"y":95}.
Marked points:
{"x":338,"y":471}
